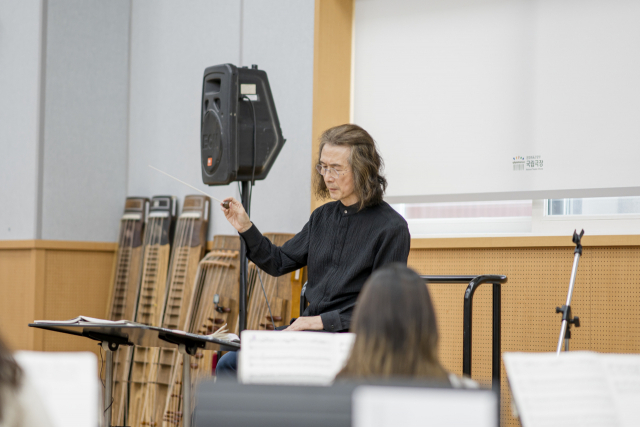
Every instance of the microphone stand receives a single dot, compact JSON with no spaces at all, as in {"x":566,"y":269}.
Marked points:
{"x":567,"y":319}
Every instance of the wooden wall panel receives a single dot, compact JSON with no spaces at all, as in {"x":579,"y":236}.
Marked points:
{"x":51,"y":280}
{"x":606,"y":298}
{"x":331,"y":71}
{"x":19,"y":277}
{"x":77,"y":283}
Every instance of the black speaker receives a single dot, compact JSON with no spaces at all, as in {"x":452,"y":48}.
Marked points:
{"x":227,"y":125}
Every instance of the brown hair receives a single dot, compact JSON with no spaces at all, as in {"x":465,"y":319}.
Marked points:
{"x":365,"y":162}
{"x":395,"y":327}
{"x":10,"y":373}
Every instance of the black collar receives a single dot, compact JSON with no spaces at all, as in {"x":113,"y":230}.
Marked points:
{"x":348,"y":210}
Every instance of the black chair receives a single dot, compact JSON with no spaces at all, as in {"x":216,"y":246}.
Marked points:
{"x":467,"y":321}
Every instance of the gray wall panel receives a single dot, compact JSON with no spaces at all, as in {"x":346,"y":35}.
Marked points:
{"x":86,"y":117}
{"x":122,"y":87}
{"x":172,"y":43}
{"x":20,"y":39}
{"x":278,"y":36}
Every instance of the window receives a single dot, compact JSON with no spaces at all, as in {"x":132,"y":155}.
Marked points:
{"x":593,"y":206}
{"x":467,"y":218}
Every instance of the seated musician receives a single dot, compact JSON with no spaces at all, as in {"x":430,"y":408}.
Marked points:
{"x":344,"y":240}
{"x":20,"y":403}
{"x":396,"y":331}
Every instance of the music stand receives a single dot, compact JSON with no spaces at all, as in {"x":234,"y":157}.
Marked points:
{"x":111,"y":336}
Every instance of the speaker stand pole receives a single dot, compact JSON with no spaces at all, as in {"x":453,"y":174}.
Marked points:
{"x":246,"y":188}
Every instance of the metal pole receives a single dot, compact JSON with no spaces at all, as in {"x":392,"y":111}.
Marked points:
{"x":186,"y":386}
{"x":108,"y":383}
{"x":246,"y":188}
{"x":563,"y":329}
{"x":497,"y":335}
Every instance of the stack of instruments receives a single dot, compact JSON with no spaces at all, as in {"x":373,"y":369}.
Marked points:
{"x":152,"y":368}
{"x":162,"y":279}
{"x":270,"y":306}
{"x":158,"y":239}
{"x":124,"y":293}
{"x":214,"y":305}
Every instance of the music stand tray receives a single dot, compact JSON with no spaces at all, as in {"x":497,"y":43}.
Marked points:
{"x":111,"y":336}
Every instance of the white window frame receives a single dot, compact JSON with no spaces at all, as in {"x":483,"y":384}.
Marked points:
{"x":539,"y":224}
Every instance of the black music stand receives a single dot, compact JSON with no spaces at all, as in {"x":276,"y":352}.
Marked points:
{"x":111,"y":336}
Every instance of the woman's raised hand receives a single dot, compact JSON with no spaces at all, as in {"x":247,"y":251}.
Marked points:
{"x":236,"y":215}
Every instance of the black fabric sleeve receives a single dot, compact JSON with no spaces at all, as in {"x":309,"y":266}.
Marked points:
{"x":394,"y":247}
{"x":277,"y":260}
{"x":332,"y":321}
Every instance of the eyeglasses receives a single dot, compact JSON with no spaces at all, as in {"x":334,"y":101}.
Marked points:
{"x":333,"y":172}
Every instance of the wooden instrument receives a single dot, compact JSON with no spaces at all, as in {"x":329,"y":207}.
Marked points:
{"x":154,"y":366}
{"x":157,"y":249}
{"x":124,"y":293}
{"x":277,"y":290}
{"x":124,"y":288}
{"x":214,"y":304}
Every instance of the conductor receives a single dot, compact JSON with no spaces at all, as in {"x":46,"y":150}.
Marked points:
{"x":343,"y":242}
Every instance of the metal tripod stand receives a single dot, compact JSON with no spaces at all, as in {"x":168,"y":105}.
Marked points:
{"x":567,"y":319}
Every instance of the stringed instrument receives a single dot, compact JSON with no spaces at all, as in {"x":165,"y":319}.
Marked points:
{"x":276,"y":294}
{"x":157,"y":250}
{"x":157,"y":364}
{"x":124,"y":293}
{"x":214,"y":305}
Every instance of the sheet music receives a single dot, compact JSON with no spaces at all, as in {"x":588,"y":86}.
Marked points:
{"x":86,"y":319}
{"x":623,"y":373}
{"x":576,"y":388}
{"x":310,"y":358}
{"x":67,"y":384}
{"x":408,"y":407}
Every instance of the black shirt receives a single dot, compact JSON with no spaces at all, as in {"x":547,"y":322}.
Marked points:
{"x":341,"y":246}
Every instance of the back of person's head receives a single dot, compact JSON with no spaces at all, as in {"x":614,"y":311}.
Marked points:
{"x":395,"y":326}
{"x":10,"y":374}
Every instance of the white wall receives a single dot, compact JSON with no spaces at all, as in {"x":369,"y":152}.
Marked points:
{"x":20,"y":84}
{"x":85,"y":121}
{"x":278,"y":36}
{"x":94,"y":91}
{"x":171,"y":45}
{"x":454,"y":90}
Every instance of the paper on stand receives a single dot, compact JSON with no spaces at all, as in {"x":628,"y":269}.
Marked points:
{"x":413,"y":407}
{"x":575,"y":388}
{"x":67,"y":384}
{"x":310,"y":358}
{"x":87,"y":319}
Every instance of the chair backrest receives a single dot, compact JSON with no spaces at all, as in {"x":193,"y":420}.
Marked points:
{"x":303,"y":299}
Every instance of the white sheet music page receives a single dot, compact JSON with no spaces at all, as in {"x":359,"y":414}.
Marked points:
{"x":86,"y":319}
{"x":623,"y":373}
{"x":413,"y":407}
{"x":567,"y":390}
{"x":310,"y":358}
{"x":67,"y":383}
